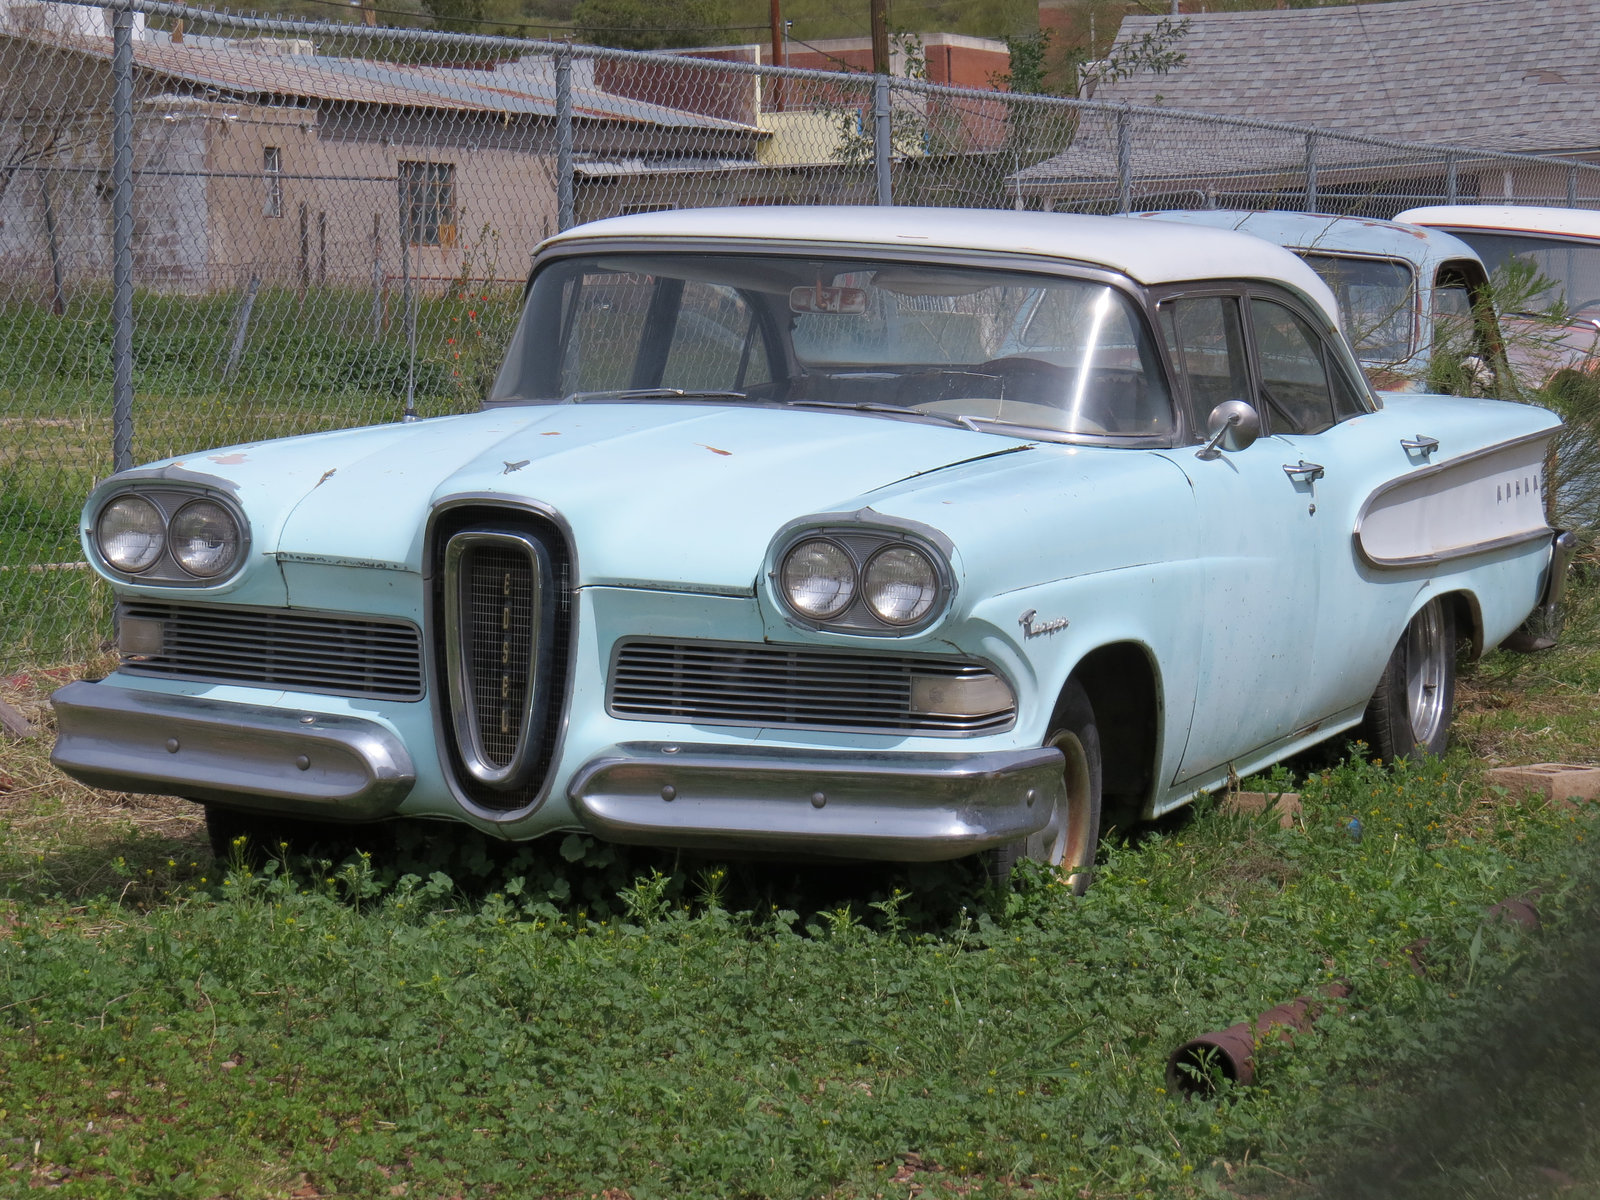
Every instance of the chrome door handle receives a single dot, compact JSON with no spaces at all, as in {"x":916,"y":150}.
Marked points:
{"x":1303,"y":471}
{"x":1421,"y":444}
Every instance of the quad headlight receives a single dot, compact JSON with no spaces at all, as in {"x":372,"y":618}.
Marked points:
{"x":854,"y":580}
{"x":169,"y":536}
{"x":131,"y":533}
{"x":819,"y":579}
{"x":205,"y":538}
{"x":901,"y":585}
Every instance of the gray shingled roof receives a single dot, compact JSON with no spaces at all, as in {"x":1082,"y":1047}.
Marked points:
{"x":1518,"y":75}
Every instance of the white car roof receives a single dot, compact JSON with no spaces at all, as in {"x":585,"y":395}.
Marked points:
{"x":1572,"y":222}
{"x":1149,"y":252}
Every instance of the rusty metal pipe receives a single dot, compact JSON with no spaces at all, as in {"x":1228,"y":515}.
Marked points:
{"x":1194,"y":1067}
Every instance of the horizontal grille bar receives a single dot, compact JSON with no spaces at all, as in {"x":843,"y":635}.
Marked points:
{"x":283,"y":648}
{"x":721,"y":683}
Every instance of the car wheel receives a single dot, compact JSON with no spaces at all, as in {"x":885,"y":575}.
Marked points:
{"x":1410,"y":710}
{"x":1069,"y":839}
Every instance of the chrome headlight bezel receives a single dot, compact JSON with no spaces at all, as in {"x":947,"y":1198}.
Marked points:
{"x":863,"y":543}
{"x":167,"y":569}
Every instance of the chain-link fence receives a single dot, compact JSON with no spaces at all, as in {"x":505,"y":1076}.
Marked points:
{"x":217,"y":229}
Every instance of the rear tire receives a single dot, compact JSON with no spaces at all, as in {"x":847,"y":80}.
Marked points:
{"x":1069,"y":838}
{"x":1410,"y":710}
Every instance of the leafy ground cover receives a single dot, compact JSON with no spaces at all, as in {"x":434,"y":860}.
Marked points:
{"x":441,"y":1017}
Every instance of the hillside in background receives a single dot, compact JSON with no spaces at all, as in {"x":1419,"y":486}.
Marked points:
{"x":671,"y":22}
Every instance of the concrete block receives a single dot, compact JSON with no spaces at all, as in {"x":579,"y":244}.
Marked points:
{"x":1553,"y":781}
{"x":1283,"y":805}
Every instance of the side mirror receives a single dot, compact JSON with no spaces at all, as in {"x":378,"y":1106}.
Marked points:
{"x":1233,"y":425}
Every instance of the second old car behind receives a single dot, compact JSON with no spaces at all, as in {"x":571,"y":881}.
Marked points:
{"x":857,"y":533}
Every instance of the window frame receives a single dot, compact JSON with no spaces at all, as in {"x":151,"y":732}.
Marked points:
{"x":272,"y":177}
{"x":436,"y":199}
{"x":1337,"y":354}
{"x":1414,"y":341}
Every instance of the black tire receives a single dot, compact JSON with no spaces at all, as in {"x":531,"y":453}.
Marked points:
{"x":1069,"y":839}
{"x":1410,"y":710}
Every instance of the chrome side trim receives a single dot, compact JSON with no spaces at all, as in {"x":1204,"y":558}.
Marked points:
{"x":889,"y":805}
{"x":1450,"y":555}
{"x":328,"y":766}
{"x":466,"y":719}
{"x":1423,"y":474}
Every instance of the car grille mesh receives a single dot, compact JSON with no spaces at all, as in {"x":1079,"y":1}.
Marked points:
{"x":296,"y":650}
{"x":731,"y":684}
{"x":500,"y":598}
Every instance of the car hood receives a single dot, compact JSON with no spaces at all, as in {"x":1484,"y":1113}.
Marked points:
{"x":654,"y":494}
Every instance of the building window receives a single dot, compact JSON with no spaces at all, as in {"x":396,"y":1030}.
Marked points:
{"x":272,"y":175}
{"x":428,"y":203}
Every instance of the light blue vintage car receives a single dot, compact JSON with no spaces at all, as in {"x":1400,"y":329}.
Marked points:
{"x":1406,"y":293}
{"x":870,"y":533}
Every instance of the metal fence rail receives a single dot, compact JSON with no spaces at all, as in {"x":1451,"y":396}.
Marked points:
{"x":216,"y":229}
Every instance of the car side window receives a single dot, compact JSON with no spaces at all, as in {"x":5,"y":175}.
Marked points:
{"x":1295,"y":387}
{"x":1205,"y":338}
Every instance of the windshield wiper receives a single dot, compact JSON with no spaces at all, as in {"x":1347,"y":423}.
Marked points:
{"x":893,"y":410}
{"x":649,"y":394}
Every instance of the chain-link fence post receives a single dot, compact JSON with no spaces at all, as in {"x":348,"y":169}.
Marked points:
{"x":882,"y":138}
{"x":1124,"y":160}
{"x":565,"y":216}
{"x":122,"y":239}
{"x":1452,"y":186}
{"x":1572,"y":187}
{"x":1311,"y":172}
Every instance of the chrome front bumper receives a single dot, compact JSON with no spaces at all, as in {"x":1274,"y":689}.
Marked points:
{"x":905,"y":807}
{"x":330,"y":767}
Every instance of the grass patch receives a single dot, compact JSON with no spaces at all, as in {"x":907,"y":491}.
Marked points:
{"x":452,"y":1017}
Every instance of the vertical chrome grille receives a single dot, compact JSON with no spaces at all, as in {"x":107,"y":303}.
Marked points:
{"x":500,"y":584}
{"x":498,"y":616}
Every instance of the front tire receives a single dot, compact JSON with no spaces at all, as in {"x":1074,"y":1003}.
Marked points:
{"x":1069,"y":838}
{"x":1411,"y":708}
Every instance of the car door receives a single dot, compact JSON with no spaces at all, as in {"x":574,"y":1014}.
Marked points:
{"x":1335,"y":453}
{"x":1256,"y":533}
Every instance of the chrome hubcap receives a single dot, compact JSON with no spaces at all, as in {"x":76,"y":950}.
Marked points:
{"x":1425,"y":671}
{"x":1065,"y":841}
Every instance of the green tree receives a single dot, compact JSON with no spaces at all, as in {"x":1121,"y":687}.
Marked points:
{"x":652,"y":24}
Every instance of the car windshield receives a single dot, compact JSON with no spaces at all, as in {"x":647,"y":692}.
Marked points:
{"x":974,"y":346}
{"x":1564,"y":270}
{"x":1375,"y":298}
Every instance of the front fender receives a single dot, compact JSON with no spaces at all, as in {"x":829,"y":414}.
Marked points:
{"x":1039,"y":635}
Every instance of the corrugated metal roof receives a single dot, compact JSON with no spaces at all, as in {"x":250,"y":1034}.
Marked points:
{"x":517,"y":89}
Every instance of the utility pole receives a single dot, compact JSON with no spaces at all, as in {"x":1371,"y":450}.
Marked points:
{"x":780,"y":57}
{"x":880,"y":37}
